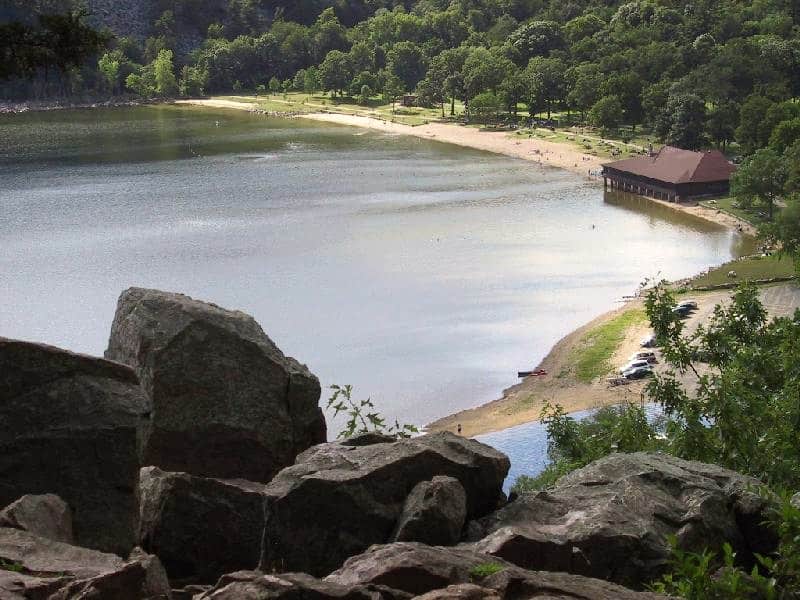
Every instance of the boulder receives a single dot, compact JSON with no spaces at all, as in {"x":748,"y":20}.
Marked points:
{"x":45,"y":515}
{"x":36,"y":567}
{"x":612,"y":519}
{"x":337,"y":499}
{"x":69,"y":425}
{"x":434,"y":513}
{"x":226,"y":402}
{"x":252,"y":585}
{"x":462,"y":591}
{"x":200,"y":528}
{"x":419,"y":569}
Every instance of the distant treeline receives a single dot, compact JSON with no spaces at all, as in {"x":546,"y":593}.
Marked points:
{"x":700,"y":72}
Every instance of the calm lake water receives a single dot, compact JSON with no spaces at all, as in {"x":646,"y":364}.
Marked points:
{"x":423,"y":274}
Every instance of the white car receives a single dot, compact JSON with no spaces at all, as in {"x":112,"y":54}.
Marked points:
{"x":634,"y":364}
{"x":648,"y":341}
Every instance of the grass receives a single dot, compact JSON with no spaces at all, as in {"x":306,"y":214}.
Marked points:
{"x":755,"y":216}
{"x":376,"y":108}
{"x":592,"y":359}
{"x":484,"y":570}
{"x":747,"y":269}
{"x":11,"y":566}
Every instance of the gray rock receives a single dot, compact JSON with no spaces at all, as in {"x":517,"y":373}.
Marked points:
{"x":612,"y":518}
{"x":795,"y":501}
{"x":434,"y":513}
{"x":462,"y":591}
{"x":69,"y":425}
{"x":337,"y":500}
{"x":45,"y":515}
{"x":226,"y":402}
{"x":418,"y":569}
{"x":141,"y":578}
{"x":200,"y":528}
{"x":57,"y":571}
{"x":251,"y":585}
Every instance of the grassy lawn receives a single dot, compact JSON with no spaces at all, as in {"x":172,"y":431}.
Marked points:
{"x":301,"y":102}
{"x":755,"y":216}
{"x":748,"y":269}
{"x":592,"y":359}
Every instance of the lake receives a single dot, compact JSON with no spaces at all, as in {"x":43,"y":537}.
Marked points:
{"x":423,"y":274}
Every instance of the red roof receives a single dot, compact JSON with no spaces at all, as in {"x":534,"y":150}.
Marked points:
{"x":673,"y":165}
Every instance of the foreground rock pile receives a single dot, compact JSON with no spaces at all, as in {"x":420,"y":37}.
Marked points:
{"x":191,"y":462}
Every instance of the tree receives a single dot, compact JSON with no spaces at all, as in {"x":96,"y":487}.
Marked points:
{"x":485,"y":107}
{"x":760,"y":178}
{"x":537,"y":38}
{"x":784,"y":135}
{"x":484,"y":70}
{"x":749,"y":133}
{"x":274,"y":85}
{"x":606,"y":113}
{"x":164,"y":74}
{"x":546,"y":83}
{"x":430,"y":93}
{"x":327,"y":34}
{"x":786,"y":231}
{"x":392,"y":88}
{"x":583,"y":83}
{"x":512,"y":91}
{"x":109,"y":65}
{"x":682,"y":123}
{"x":364,"y":95}
{"x":334,"y":72}
{"x":311,"y":80}
{"x":407,"y":61}
{"x":446,"y":71}
{"x":720,"y":126}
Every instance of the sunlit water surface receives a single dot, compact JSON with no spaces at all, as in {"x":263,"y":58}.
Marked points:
{"x":423,"y":274}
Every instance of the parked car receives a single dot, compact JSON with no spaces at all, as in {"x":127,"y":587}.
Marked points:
{"x":648,"y":341}
{"x":633,"y":365}
{"x":638,"y":372}
{"x":682,"y":311}
{"x":690,"y":304}
{"x":647,"y":355}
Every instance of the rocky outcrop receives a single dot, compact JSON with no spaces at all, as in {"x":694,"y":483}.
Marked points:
{"x":36,"y":567}
{"x":226,"y":402}
{"x":68,"y":426}
{"x":201,"y":528}
{"x":44,"y":515}
{"x":434,"y":513}
{"x":418,"y":569}
{"x":338,"y":499}
{"x":252,"y":585}
{"x":612,"y":518}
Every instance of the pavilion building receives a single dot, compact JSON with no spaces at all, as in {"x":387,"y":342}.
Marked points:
{"x":671,"y":174}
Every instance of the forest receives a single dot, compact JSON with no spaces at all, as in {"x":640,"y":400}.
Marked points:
{"x":696,"y":73}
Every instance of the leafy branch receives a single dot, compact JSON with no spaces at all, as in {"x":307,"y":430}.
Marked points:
{"x":363,"y":416}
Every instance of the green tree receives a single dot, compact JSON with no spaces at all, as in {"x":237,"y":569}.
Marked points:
{"x":334,"y":72}
{"x":311,"y":81}
{"x":721,"y":124}
{"x":606,"y":113}
{"x":393,"y":87}
{"x":537,"y":38}
{"x":784,"y":135}
{"x":109,"y":67}
{"x":407,"y":61}
{"x":485,"y":107}
{"x":484,"y":70}
{"x":546,"y":83}
{"x":749,"y":133}
{"x":583,"y":83}
{"x":164,"y":74}
{"x":274,"y":85}
{"x":760,"y":178}
{"x":682,"y":122}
